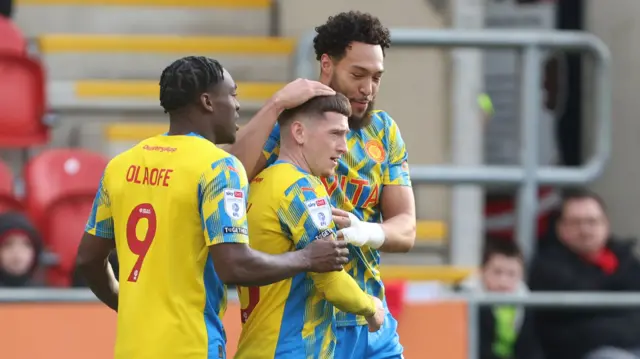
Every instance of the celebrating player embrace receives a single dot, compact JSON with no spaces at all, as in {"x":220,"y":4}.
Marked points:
{"x":289,"y":210}
{"x":372,"y":178}
{"x":174,"y":207}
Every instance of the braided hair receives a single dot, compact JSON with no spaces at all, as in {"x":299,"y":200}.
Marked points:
{"x":182,"y":82}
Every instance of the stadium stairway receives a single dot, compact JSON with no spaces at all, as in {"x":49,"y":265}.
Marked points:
{"x":104,"y":58}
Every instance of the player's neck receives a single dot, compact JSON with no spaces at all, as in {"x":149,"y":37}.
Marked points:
{"x":294,"y":158}
{"x":183,"y":127}
{"x":324,"y":79}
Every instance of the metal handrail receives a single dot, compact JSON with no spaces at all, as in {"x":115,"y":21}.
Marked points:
{"x":529,"y":175}
{"x":567,"y":40}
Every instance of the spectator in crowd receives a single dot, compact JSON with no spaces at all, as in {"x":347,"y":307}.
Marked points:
{"x":506,"y":332}
{"x":587,"y":258}
{"x":6,"y":8}
{"x":20,"y":249}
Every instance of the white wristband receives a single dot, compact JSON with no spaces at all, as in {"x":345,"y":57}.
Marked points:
{"x":374,"y":234}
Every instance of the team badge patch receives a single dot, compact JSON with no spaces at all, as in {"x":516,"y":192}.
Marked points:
{"x":234,"y":204}
{"x":375,"y":150}
{"x":320,"y":211}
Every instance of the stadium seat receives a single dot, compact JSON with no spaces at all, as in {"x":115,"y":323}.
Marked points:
{"x":23,"y":102}
{"x":8,"y":200}
{"x":11,"y":39}
{"x":60,"y":188}
{"x":22,"y":92}
{"x":395,"y":295}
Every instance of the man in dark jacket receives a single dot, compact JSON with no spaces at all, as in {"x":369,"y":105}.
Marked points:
{"x":586,"y":258}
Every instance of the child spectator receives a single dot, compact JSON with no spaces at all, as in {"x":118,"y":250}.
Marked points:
{"x":505,"y":331}
{"x":20,"y":249}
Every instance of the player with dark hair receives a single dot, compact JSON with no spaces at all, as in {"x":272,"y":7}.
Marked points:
{"x":372,"y":180}
{"x":290,"y":209}
{"x":174,"y":208}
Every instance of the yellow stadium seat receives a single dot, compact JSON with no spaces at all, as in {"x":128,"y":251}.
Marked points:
{"x":240,"y":4}
{"x":164,"y":44}
{"x":249,"y":91}
{"x":443,"y":274}
{"x":431,"y":231}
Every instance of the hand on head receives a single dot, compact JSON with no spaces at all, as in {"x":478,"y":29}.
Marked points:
{"x":300,"y":91}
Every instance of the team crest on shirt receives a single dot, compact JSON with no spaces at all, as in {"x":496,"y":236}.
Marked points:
{"x":234,"y":203}
{"x":320,"y":212}
{"x":375,"y":150}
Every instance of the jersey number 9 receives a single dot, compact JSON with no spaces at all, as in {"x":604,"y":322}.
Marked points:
{"x":254,"y":297}
{"x":137,"y":246}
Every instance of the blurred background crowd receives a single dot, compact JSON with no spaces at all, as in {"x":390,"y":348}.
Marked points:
{"x":78,"y":85}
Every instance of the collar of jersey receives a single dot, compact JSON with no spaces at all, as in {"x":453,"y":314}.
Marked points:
{"x":292,"y":164}
{"x":193,"y":134}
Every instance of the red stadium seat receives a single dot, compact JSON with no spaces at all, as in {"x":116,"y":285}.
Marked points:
{"x":395,"y":293}
{"x":22,"y":92}
{"x":11,"y":39}
{"x":60,"y":187}
{"x":8,"y":200}
{"x":22,"y":102}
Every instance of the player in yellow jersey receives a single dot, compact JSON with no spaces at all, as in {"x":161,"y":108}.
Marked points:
{"x":174,"y":207}
{"x":372,"y":179}
{"x":289,"y":209}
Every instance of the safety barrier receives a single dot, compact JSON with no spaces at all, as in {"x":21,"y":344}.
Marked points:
{"x":72,"y":324}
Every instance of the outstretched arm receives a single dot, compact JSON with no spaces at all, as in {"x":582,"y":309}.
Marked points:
{"x":240,"y":265}
{"x":223,"y":212}
{"x":92,"y":260}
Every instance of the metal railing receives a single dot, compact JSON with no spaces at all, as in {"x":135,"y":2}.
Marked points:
{"x":529,"y":176}
{"x":541,"y":300}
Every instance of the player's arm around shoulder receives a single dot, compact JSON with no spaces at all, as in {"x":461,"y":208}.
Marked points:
{"x":98,"y":241}
{"x":224,"y":216}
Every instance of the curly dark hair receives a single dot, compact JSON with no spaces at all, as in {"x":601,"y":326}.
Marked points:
{"x":340,"y":30}
{"x":186,"y":79}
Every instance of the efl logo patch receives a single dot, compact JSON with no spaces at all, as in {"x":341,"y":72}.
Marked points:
{"x":320,"y":211}
{"x":375,"y":150}
{"x":234,"y":204}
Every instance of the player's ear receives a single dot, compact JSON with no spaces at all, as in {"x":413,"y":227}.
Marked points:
{"x":206,"y":101}
{"x":298,"y":132}
{"x":326,"y":64}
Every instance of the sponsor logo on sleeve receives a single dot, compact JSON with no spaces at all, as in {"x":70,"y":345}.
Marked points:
{"x":320,"y":211}
{"x":234,"y":203}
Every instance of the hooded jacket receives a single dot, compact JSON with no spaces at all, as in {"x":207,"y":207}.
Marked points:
{"x":10,"y":222}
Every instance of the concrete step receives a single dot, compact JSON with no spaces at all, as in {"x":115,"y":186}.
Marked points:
{"x":176,"y":17}
{"x":91,"y":130}
{"x":72,"y":57}
{"x":141,"y":97}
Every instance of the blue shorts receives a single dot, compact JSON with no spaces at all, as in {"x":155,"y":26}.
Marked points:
{"x":355,"y":342}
